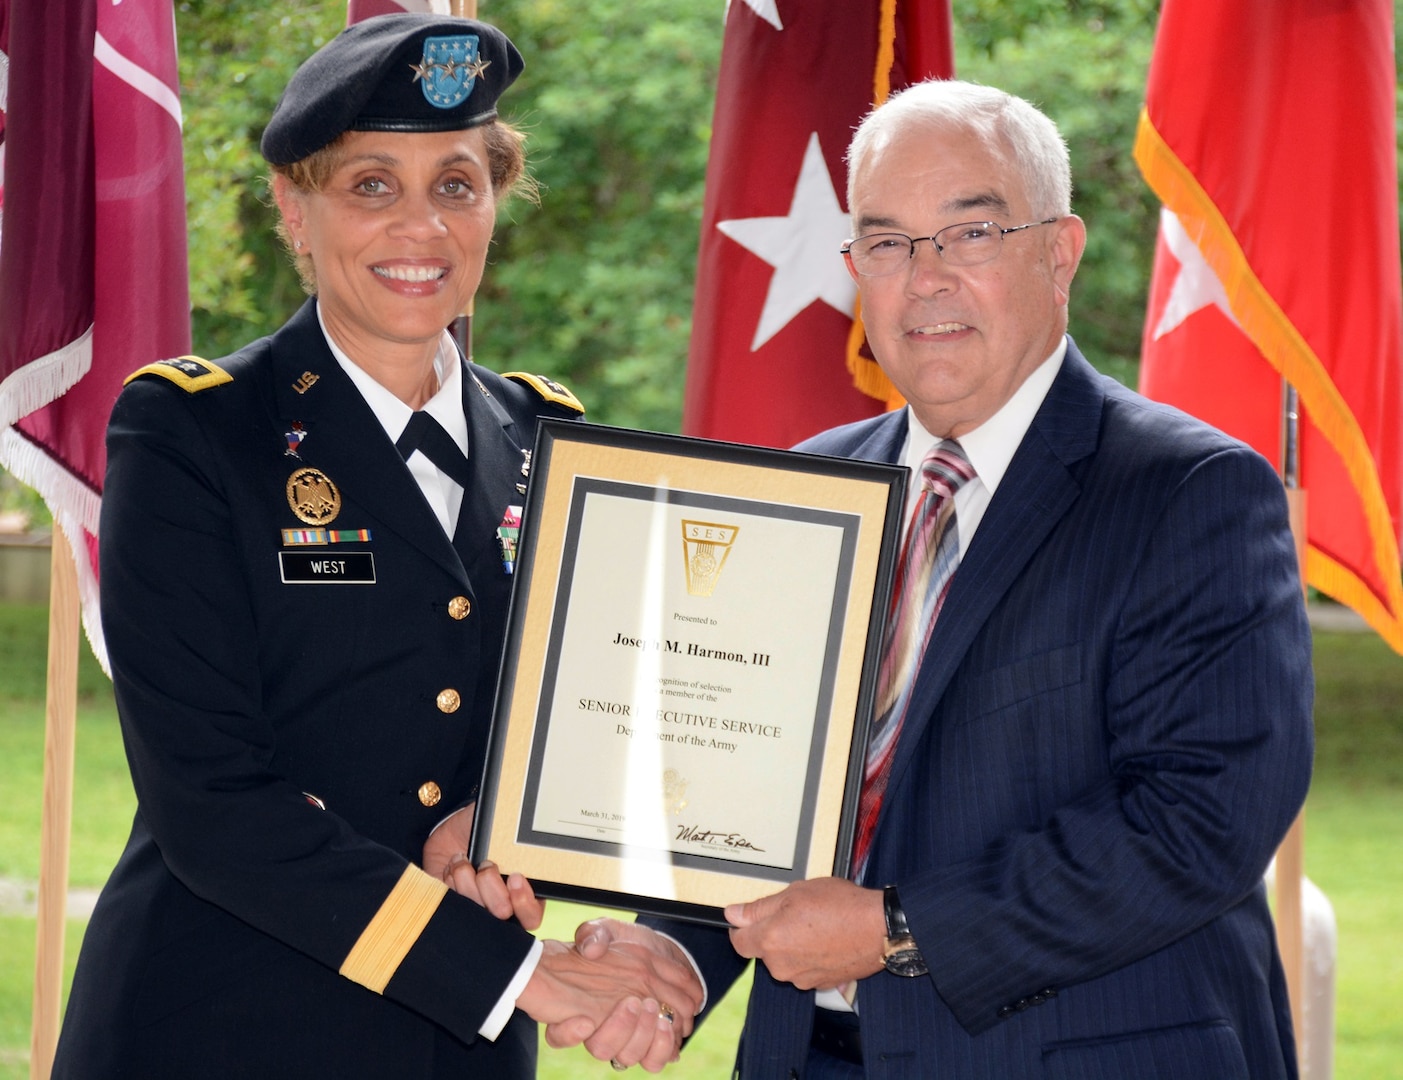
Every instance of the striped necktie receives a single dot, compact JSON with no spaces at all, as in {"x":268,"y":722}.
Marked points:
{"x":928,"y":560}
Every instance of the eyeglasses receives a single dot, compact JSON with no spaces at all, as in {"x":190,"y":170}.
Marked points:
{"x":967,"y":244}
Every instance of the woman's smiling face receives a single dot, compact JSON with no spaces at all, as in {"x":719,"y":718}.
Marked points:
{"x":398,"y":235}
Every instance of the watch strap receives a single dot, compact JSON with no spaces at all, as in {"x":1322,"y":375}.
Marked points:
{"x":893,"y":913}
{"x":900,"y":954}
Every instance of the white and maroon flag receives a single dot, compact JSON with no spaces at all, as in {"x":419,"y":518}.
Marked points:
{"x":356,"y":10}
{"x":92,"y":241}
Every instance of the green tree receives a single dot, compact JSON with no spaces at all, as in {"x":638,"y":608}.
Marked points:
{"x":594,"y":285}
{"x":234,"y":59}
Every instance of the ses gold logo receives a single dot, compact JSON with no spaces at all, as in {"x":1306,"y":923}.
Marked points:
{"x":706,"y":546}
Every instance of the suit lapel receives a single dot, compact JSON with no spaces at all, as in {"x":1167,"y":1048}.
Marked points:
{"x":344,"y":439}
{"x":1033,"y":496}
{"x":885,"y":440}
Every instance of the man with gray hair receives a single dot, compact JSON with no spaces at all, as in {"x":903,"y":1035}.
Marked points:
{"x":1093,"y":722}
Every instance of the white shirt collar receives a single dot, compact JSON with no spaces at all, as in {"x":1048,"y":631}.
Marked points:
{"x":991,"y":446}
{"x":446,"y":406}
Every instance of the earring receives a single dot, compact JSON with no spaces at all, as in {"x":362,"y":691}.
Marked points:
{"x":297,"y":244}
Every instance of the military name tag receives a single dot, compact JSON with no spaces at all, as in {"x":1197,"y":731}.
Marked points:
{"x":319,"y":568}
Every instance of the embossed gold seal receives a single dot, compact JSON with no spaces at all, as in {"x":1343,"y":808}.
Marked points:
{"x":313,"y":497}
{"x":674,"y":791}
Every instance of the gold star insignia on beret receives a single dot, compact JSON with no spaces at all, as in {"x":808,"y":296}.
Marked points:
{"x":422,"y":70}
{"x":477,"y":67}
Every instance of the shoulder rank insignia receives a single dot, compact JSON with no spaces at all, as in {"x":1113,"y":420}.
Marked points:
{"x":191,"y":373}
{"x":549,"y":389}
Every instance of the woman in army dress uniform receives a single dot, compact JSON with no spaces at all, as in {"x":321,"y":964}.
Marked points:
{"x":305,"y":567}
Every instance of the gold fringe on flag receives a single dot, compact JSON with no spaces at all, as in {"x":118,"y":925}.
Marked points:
{"x":868,"y":378}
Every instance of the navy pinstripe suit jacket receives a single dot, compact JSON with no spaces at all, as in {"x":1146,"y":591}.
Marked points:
{"x":1109,"y":735}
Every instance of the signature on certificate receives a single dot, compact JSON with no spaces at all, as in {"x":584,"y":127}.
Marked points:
{"x":694,"y":834}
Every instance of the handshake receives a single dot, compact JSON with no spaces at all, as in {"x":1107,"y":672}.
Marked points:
{"x":629,"y":994}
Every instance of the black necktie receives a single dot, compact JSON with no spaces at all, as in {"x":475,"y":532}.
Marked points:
{"x":426,"y":435}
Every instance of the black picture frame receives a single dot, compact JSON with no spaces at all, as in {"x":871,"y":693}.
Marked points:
{"x":601,"y":724}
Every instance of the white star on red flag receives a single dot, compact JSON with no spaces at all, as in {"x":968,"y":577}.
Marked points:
{"x":1195,"y":286}
{"x":802,"y":247}
{"x":767,"y":10}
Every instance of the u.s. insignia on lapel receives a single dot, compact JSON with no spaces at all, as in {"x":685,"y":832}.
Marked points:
{"x":507,"y":533}
{"x":313,"y":496}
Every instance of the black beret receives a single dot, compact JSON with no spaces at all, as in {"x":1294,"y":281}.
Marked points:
{"x":401,"y":72}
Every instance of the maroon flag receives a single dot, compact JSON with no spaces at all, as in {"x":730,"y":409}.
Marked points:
{"x":356,"y":10}
{"x":92,"y":241}
{"x":776,"y":351}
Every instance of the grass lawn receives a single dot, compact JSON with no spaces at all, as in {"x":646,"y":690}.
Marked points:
{"x":1354,"y":831}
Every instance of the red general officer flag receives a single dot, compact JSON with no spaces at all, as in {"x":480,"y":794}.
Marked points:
{"x":92,"y":242}
{"x":1268,"y":133}
{"x":770,"y":359}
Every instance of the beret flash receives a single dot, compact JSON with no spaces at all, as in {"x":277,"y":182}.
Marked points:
{"x":401,"y":72}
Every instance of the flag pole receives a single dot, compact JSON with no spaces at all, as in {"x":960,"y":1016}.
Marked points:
{"x":57,"y":817}
{"x":1290,"y":856}
{"x":463,"y":324}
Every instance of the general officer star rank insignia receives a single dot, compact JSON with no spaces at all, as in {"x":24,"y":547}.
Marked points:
{"x":449,"y":69}
{"x":191,"y":373}
{"x":313,"y":497}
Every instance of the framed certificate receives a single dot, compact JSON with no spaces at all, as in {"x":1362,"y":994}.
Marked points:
{"x":689,"y":671}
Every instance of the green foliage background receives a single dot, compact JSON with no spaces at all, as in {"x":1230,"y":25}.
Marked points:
{"x":594,"y":285}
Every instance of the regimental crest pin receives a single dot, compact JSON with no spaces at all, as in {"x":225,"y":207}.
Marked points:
{"x":313,"y":497}
{"x":449,"y":69}
{"x":294,"y":439}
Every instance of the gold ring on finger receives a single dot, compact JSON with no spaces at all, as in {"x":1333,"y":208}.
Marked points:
{"x":666,"y":1010}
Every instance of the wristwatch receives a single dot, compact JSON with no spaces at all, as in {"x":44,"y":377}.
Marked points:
{"x":899,"y":953}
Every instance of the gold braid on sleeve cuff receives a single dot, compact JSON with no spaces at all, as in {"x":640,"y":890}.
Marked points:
{"x":392,"y":932}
